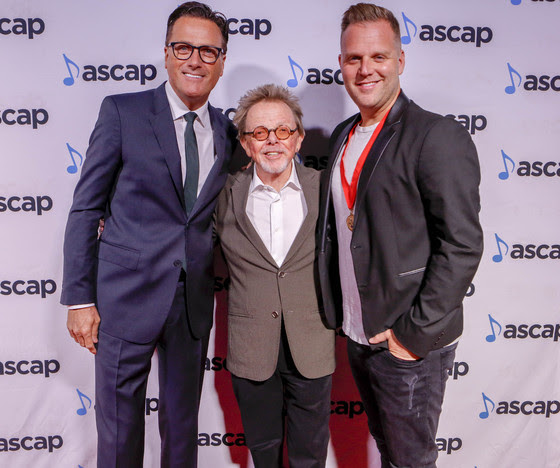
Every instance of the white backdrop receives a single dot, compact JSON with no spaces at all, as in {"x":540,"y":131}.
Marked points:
{"x":492,"y":65}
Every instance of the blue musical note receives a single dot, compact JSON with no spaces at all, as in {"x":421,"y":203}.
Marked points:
{"x":492,"y":337}
{"x":293,"y":82}
{"x":406,"y":39}
{"x":505,"y":174}
{"x":69,"y":80}
{"x":486,"y":413}
{"x":73,"y":168}
{"x":510,"y":89}
{"x":500,"y":256}
{"x":82,"y":411}
{"x":516,"y":2}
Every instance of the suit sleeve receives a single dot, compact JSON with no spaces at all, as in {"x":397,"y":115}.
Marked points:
{"x":448,"y":177}
{"x":103,"y":161}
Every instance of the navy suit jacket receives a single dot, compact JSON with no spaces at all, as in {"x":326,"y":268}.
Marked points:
{"x":417,"y":240}
{"x":132,"y":177}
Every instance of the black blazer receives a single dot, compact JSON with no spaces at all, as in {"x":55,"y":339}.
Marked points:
{"x":132,"y":177}
{"x":417,"y":240}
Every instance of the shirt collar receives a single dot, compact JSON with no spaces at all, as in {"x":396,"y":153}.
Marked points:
{"x":179,"y":109}
{"x":293,"y":181}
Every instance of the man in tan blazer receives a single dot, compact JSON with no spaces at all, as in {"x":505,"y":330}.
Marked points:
{"x":280,"y":353}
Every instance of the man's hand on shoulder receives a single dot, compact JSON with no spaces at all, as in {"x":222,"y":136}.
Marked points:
{"x":395,"y":347}
{"x":83,"y":325}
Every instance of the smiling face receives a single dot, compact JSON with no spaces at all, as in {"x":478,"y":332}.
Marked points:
{"x":371,"y":61}
{"x":273,"y":157}
{"x":192,"y":79}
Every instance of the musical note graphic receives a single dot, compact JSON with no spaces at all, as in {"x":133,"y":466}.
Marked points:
{"x":293,"y":82}
{"x":510,"y":89}
{"x":500,"y":256}
{"x":505,"y":174}
{"x":73,"y":168}
{"x":516,"y":2}
{"x":492,"y":337}
{"x":406,"y":39}
{"x":82,"y":411}
{"x":486,"y":413}
{"x":69,"y":80}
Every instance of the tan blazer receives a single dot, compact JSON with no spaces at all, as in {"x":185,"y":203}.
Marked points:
{"x":261,"y":294}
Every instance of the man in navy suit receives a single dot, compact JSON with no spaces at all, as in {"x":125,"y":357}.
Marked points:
{"x":155,"y":165}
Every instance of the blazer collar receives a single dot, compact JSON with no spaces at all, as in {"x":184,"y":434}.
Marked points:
{"x":164,"y":130}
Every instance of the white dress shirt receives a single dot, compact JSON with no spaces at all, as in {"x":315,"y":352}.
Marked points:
{"x":276,"y":216}
{"x":352,"y":323}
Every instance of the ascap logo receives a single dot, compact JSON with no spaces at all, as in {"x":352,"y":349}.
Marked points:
{"x":216,"y":439}
{"x":477,"y":35}
{"x":141,"y":73}
{"x":473,"y":123}
{"x":525,"y":251}
{"x":528,"y":168}
{"x":532,"y":82}
{"x":44,"y":287}
{"x":35,"y":204}
{"x":514,"y":407}
{"x":522,"y":331}
{"x":33,"y":117}
{"x":50,"y":443}
{"x":449,"y":445}
{"x":315,"y":76}
{"x":29,"y":27}
{"x":249,"y":27}
{"x":347,"y":408}
{"x":44,"y":367}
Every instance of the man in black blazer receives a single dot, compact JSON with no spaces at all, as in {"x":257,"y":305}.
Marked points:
{"x":156,"y":163}
{"x":399,"y":240}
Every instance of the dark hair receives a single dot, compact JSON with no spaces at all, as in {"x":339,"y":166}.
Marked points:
{"x":364,"y":12}
{"x":267,"y":93}
{"x":198,"y":10}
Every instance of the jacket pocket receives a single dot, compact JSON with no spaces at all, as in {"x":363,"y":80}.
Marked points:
{"x":122,"y":256}
{"x":411,"y":272}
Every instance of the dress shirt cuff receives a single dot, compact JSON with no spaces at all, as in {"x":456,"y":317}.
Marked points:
{"x":80,"y":306}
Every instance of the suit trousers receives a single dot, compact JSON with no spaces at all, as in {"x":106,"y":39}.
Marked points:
{"x":287,"y":396}
{"x":403,"y":401}
{"x":121,"y":375}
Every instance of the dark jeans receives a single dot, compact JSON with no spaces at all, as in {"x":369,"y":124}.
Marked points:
{"x":403,"y":402}
{"x":305,"y":403}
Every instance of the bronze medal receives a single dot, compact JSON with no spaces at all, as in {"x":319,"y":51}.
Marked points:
{"x":350,"y":221}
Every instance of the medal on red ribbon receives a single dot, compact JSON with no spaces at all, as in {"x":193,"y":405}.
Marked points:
{"x":350,"y":189}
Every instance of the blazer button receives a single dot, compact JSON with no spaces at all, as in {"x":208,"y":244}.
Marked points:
{"x":274,"y":314}
{"x":177,"y":263}
{"x":282,"y":274}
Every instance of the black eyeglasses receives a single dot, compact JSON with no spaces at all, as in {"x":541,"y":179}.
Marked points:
{"x":283,"y":132}
{"x":184,"y":50}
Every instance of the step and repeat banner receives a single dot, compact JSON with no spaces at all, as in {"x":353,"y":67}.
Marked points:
{"x":489,"y":65}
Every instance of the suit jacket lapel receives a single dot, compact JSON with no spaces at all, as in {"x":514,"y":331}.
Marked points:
{"x":211,"y":188}
{"x":308,"y":226}
{"x":239,"y":196}
{"x":164,"y":130}
{"x":377,"y":150}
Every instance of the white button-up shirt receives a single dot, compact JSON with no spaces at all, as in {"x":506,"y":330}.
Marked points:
{"x":276,"y":216}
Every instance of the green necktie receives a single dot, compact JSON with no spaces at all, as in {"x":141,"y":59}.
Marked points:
{"x":191,"y":163}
